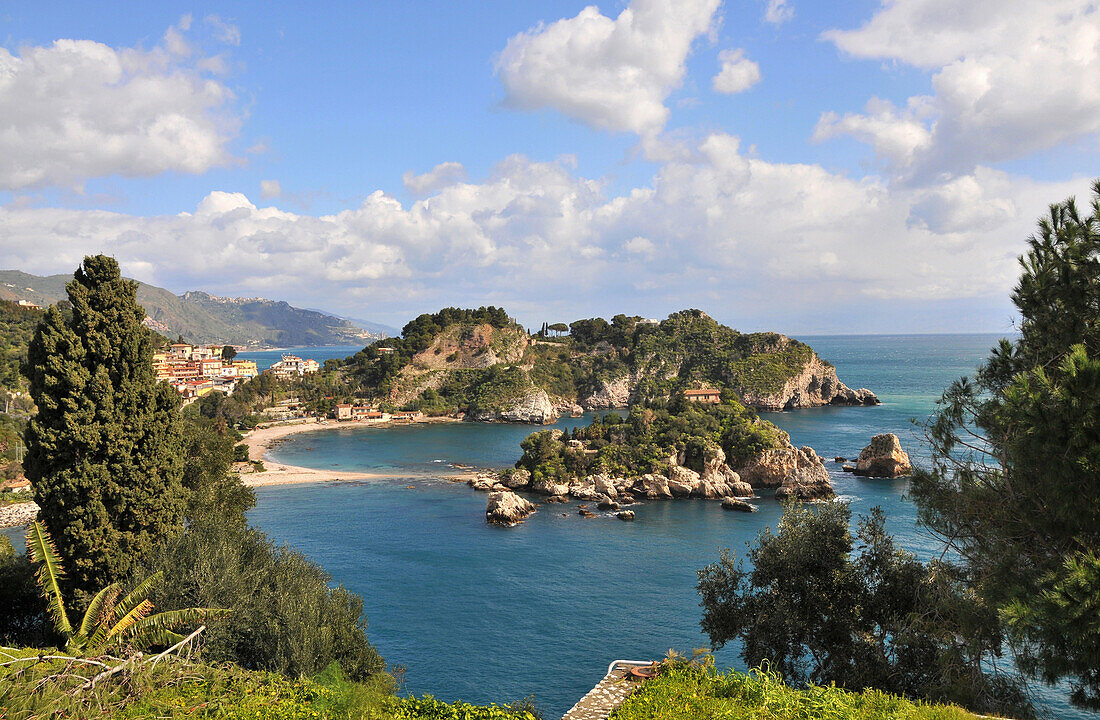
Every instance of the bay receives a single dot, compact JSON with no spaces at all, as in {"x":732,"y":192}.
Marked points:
{"x":487,"y":614}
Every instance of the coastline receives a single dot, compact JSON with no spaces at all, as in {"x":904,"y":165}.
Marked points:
{"x":260,"y":441}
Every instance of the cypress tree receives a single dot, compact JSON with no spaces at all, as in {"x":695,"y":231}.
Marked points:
{"x":104,"y":449}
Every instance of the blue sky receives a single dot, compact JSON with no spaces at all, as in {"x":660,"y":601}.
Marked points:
{"x":864,"y":168}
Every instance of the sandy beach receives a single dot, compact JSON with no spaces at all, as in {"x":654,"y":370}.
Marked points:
{"x":260,"y":440}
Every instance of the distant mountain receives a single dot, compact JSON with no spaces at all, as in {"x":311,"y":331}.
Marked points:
{"x":370,"y":326}
{"x":203,"y":318}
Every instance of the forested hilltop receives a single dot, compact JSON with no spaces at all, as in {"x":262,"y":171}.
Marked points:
{"x":483,"y":363}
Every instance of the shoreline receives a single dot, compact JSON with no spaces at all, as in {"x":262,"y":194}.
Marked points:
{"x":261,"y":440}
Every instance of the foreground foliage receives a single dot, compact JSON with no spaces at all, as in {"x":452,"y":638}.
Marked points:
{"x":103,"y":449}
{"x":818,"y":612}
{"x":1014,"y":490}
{"x":111,"y":618}
{"x":177,"y":688}
{"x":689,"y":692}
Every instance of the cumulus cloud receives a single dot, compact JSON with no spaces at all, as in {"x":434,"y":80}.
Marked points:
{"x":715,"y":228}
{"x":1010,"y":77}
{"x":778,"y":12}
{"x":439,"y":177}
{"x":738,"y":73}
{"x":613,"y":74}
{"x":78,"y":109}
{"x":270,"y":189}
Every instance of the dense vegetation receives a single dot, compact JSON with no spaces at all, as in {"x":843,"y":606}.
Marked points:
{"x":1014,"y":490}
{"x":642,"y":441}
{"x":817,"y":611}
{"x":687,"y":348}
{"x":689,"y":692}
{"x":17,"y":326}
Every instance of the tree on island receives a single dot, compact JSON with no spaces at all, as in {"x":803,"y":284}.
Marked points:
{"x":104,"y":449}
{"x":1014,"y":488}
{"x":229,"y":352}
{"x":559,"y":328}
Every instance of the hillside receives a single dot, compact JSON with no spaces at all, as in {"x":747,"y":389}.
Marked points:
{"x":203,"y":318}
{"x":17,"y":326}
{"x":480,"y":362}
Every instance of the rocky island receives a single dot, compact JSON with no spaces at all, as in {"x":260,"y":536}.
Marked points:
{"x":691,"y":386}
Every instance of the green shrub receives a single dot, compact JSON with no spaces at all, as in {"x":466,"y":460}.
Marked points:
{"x":286,"y":618}
{"x":690,"y":692}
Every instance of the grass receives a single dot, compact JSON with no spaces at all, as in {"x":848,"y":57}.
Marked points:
{"x":42,"y":688}
{"x":698,"y":692}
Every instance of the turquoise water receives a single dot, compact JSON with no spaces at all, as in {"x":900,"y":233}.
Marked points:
{"x":485,"y":614}
{"x":266,"y":358}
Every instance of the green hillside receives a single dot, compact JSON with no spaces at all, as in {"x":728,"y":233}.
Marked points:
{"x":203,"y":318}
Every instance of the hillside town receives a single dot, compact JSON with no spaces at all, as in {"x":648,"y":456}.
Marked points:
{"x":195,"y":370}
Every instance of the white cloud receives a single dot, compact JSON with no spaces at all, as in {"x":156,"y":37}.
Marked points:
{"x":778,"y":12}
{"x":439,"y":177}
{"x":78,"y":109}
{"x":1010,"y":77}
{"x":610,"y":74}
{"x":715,"y":229}
{"x":225,"y":32}
{"x":270,"y":189}
{"x":639,"y":245}
{"x":738,"y":73}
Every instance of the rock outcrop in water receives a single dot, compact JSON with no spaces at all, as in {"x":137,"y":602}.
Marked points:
{"x":793,"y":472}
{"x":507,"y":508}
{"x":884,"y":458}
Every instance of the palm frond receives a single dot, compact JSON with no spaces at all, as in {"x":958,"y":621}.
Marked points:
{"x":49,"y":575}
{"x":101,"y":605}
{"x":157,"y":629}
{"x":122,"y":626}
{"x":138,"y":595}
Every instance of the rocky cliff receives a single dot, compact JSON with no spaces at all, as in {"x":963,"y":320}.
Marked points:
{"x":812,"y":383}
{"x":816,"y":384}
{"x":472,"y":347}
{"x":534,"y":407}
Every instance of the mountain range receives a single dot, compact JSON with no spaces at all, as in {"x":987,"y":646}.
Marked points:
{"x":203,"y":318}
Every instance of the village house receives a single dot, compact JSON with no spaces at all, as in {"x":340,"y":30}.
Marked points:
{"x":346,"y":411}
{"x":705,"y":395}
{"x":292,"y":365}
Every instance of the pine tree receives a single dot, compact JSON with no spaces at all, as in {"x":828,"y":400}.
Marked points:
{"x":1015,"y":484}
{"x":104,"y":449}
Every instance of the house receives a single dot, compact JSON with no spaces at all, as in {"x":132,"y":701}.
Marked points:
{"x":292,"y":365}
{"x":342,"y":411}
{"x":28,"y":304}
{"x":407,"y":415}
{"x":180,"y":351}
{"x":705,"y":395}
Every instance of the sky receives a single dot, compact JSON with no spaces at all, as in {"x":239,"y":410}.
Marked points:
{"x":804,"y":167}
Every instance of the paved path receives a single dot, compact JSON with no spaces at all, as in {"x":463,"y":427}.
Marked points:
{"x":605,"y":697}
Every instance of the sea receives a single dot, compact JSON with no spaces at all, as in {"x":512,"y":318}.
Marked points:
{"x":487,"y":614}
